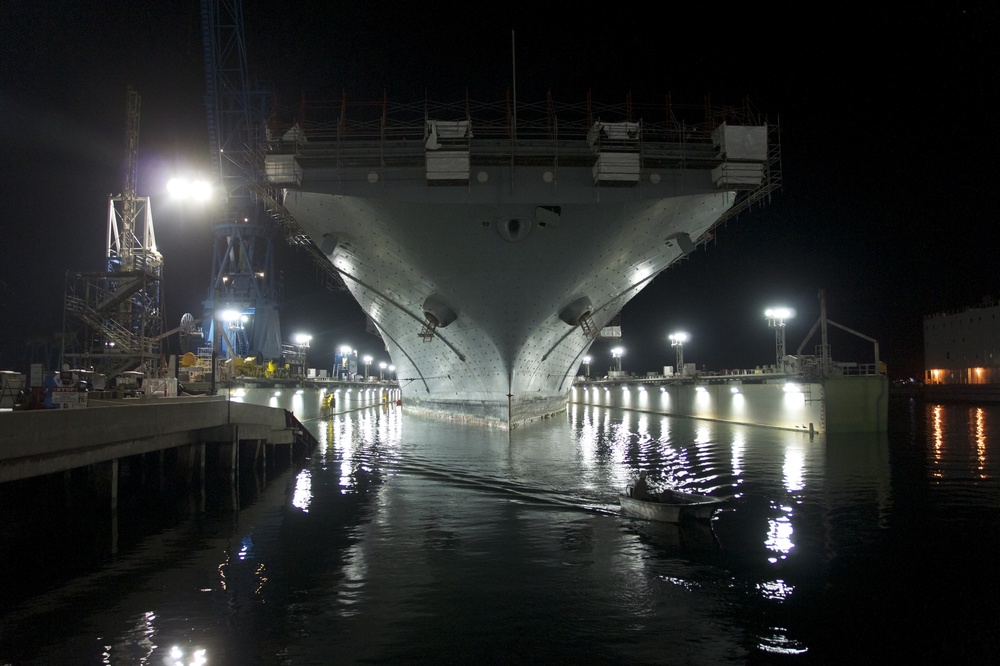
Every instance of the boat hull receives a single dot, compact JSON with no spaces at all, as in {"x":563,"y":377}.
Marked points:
{"x":694,"y":507}
{"x":508,"y":356}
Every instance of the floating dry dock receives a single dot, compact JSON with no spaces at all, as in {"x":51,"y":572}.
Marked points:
{"x":793,"y":402}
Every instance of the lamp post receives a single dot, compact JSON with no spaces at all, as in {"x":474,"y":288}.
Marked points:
{"x":616,"y":354}
{"x":392,"y":371}
{"x":301,"y":341}
{"x":368,"y":361}
{"x":586,"y":366}
{"x":215,"y":344}
{"x":381,"y":371}
{"x":185,"y":190}
{"x":776,"y":319}
{"x":677,"y":341}
{"x":342,"y":363}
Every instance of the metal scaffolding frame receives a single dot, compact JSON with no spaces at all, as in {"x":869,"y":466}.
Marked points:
{"x":244,"y":281}
{"x":113,"y":320}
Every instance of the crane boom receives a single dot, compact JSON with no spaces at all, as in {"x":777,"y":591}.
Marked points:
{"x":132,"y":106}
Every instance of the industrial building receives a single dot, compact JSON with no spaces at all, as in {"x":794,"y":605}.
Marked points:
{"x":960,"y":346}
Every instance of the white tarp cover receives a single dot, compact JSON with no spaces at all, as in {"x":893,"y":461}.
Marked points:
{"x":294,"y":135}
{"x":619,"y":132}
{"x":741,"y":142}
{"x":738,"y":174}
{"x":448,"y":130}
{"x":620,"y":167}
{"x":282,"y":169}
{"x":448,"y":165}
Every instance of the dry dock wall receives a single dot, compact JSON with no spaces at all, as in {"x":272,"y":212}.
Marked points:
{"x":850,"y":404}
{"x":316,"y":400}
{"x":857,"y":404}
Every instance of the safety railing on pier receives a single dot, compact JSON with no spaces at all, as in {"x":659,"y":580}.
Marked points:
{"x":807,"y":371}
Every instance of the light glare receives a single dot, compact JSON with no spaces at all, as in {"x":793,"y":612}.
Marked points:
{"x":779,"y":313}
{"x":189,"y":190}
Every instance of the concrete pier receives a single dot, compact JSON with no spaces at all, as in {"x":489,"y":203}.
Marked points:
{"x":40,"y":442}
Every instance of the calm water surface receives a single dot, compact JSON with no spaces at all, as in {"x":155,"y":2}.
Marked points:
{"x":403,"y":540}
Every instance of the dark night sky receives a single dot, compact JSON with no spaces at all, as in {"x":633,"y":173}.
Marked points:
{"x":888,"y":149}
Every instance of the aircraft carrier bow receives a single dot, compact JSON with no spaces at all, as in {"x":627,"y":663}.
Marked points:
{"x":490,"y":245}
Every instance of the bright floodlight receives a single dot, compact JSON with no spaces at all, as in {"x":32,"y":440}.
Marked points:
{"x":776,"y":319}
{"x":189,"y":190}
{"x":345,"y":349}
{"x":779,"y":314}
{"x":367,"y":359}
{"x":229,"y":315}
{"x":677,"y":341}
{"x":587,"y":359}
{"x":302,"y":338}
{"x":616,"y":354}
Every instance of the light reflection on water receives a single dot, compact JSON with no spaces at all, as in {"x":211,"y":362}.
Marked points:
{"x":303,"y":491}
{"x":409,"y":540}
{"x":979,"y":437}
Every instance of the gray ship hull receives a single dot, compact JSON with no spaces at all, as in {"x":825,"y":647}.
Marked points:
{"x":489,"y":284}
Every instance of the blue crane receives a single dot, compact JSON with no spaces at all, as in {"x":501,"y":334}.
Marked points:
{"x":243,"y":301}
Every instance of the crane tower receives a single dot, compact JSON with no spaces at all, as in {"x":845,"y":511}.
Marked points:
{"x":112,"y":319}
{"x":243,"y":299}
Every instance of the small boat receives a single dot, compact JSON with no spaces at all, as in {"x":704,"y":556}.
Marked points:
{"x":670,"y":506}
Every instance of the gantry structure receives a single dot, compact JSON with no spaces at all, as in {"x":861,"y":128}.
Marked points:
{"x":243,"y":302}
{"x":113,"y":319}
